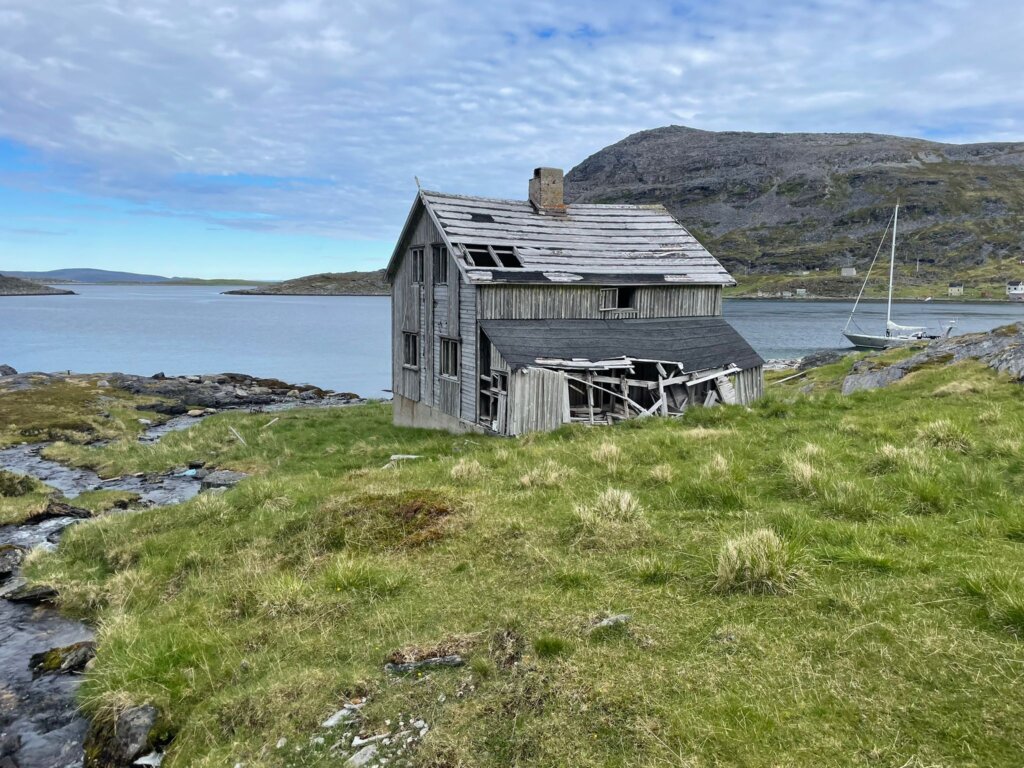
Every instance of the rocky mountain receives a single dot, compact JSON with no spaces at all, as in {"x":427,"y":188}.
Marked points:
{"x":327,"y":284}
{"x":768,"y":203}
{"x":14,"y":286}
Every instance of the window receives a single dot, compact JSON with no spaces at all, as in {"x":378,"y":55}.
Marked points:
{"x":440,"y":264}
{"x":411,"y":350}
{"x":609,"y":298}
{"x":417,"y":265}
{"x":481,"y":255}
{"x":617,"y":298}
{"x":450,"y":358}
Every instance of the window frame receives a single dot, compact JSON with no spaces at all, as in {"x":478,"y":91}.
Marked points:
{"x":450,"y":363}
{"x":411,"y":342}
{"x":604,"y":305}
{"x":439,"y":254}
{"x":416,"y":253}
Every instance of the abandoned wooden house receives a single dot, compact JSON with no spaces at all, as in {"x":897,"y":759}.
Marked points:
{"x":516,"y":316}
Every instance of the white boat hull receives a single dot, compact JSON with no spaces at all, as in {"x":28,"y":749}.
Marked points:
{"x":866,"y":341}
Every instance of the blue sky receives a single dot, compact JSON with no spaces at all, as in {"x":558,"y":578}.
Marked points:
{"x":262,"y":139}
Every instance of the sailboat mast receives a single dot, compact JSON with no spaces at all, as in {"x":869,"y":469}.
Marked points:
{"x":892,"y":267}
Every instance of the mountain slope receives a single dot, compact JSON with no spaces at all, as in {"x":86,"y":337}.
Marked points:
{"x":89,"y":276}
{"x":14,"y":286}
{"x":327,"y":284}
{"x":776,"y":202}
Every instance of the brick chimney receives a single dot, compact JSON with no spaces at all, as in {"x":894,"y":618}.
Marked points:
{"x":546,"y":190}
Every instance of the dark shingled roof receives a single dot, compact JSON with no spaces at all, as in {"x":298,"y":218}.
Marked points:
{"x":698,"y":343}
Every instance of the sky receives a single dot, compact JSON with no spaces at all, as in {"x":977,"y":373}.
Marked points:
{"x":268,"y":140}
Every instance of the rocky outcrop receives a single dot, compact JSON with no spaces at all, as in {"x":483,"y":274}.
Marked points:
{"x":223,"y":390}
{"x":326,"y":284}
{"x":1001,"y":349}
{"x":118,"y":744}
{"x":11,"y":558}
{"x":66,"y":660}
{"x":6,"y":370}
{"x":55,"y":509}
{"x":15,"y":286}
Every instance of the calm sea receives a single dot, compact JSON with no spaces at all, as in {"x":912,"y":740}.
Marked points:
{"x":341,"y":342}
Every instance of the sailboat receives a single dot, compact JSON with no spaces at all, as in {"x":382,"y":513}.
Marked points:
{"x":895,"y":335}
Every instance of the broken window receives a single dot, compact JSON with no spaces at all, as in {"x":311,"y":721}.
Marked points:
{"x":411,"y":349}
{"x":617,"y":298}
{"x":417,"y":265}
{"x":480,"y":256}
{"x":450,"y":358}
{"x":493,"y":256}
{"x":506,"y":254}
{"x":440,"y":254}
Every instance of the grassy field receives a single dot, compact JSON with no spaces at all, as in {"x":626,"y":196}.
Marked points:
{"x":815,"y":581}
{"x":74,"y":410}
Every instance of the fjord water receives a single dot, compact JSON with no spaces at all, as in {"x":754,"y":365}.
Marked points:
{"x":343,"y":342}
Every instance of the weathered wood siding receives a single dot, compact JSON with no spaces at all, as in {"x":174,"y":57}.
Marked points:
{"x":678,"y":301}
{"x":469,"y":375}
{"x":538,"y":400}
{"x":749,"y":384}
{"x":433,"y":311}
{"x":537,"y":302}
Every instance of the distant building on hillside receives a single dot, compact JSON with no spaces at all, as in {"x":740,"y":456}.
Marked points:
{"x":801,"y":291}
{"x":1015,"y":290}
{"x":512,"y":316}
{"x":956,"y":289}
{"x":848,"y":272}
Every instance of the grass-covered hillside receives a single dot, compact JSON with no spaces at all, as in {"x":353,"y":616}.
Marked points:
{"x":815,"y":581}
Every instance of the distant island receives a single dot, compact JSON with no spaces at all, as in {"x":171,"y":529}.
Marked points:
{"x":326,"y":284}
{"x":86,"y":276}
{"x":15,"y":286}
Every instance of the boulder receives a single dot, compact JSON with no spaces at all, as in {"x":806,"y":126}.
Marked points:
{"x":196,"y":413}
{"x":33,"y":594}
{"x":222,"y":478}
{"x":11,"y":558}
{"x":66,"y":660}
{"x":6,"y":370}
{"x":822,"y":357}
{"x":119,"y":744}
{"x":55,"y":509}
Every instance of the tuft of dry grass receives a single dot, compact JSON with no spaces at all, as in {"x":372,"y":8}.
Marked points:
{"x":606,"y":453}
{"x":615,"y":517}
{"x":548,"y":474}
{"x":466,"y":469}
{"x":943,"y":433}
{"x":662,"y":473}
{"x":757,"y":563}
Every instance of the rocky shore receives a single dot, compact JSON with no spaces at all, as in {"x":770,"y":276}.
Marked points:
{"x":15,"y":286}
{"x":43,"y":653}
{"x":199,"y":393}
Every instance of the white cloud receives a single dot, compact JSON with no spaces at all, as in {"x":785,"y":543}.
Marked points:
{"x":347,"y":101}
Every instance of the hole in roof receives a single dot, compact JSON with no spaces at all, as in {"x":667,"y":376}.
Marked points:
{"x":479,"y":256}
{"x":484,"y":217}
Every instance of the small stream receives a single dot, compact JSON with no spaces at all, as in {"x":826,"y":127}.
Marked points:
{"x":40,"y":726}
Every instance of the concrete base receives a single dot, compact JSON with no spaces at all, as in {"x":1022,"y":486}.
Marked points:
{"x":412,"y":413}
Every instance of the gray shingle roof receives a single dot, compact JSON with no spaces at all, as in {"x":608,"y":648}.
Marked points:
{"x":589,"y":243}
{"x":698,"y":343}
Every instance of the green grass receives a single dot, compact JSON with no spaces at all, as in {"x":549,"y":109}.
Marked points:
{"x":883,"y":628}
{"x":74,"y":410}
